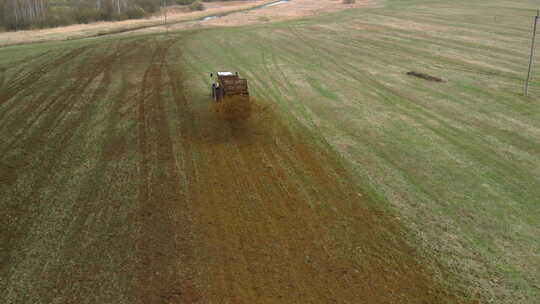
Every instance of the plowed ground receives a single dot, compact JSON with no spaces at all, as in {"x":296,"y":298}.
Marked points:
{"x":122,"y":185}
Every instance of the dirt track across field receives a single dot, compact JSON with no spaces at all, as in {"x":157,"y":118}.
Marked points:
{"x":123,"y":189}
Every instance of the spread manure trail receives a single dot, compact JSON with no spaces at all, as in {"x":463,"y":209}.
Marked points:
{"x":234,"y":108}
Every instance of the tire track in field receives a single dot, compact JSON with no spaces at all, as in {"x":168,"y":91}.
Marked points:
{"x":287,"y":222}
{"x":218,"y":206}
{"x":298,"y":224}
{"x":33,"y":84}
{"x":266,"y":236}
{"x":26,"y":145}
{"x":255,"y":248}
{"x":21,"y":65}
{"x":159,"y":195}
{"x":290,"y":229}
{"x":98,"y":242}
{"x":355,"y":227}
{"x":27,"y":82}
{"x":413,"y":109}
{"x":42,"y":115}
{"x":186,"y":239}
{"x":303,"y":164}
{"x":223,"y":267}
{"x":2,"y":77}
{"x":259,"y":219}
{"x":30,"y":100}
{"x":45,"y":150}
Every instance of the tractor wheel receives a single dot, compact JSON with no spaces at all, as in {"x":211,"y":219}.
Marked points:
{"x":218,"y":94}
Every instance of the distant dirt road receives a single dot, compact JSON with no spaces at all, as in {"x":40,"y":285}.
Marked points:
{"x":122,"y":189}
{"x":176,"y":14}
{"x":180,"y":18}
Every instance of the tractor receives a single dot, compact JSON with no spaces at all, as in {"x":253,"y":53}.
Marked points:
{"x":228,"y":84}
{"x":231,"y":96}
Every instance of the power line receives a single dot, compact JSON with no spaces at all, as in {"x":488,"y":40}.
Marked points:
{"x":532,"y":52}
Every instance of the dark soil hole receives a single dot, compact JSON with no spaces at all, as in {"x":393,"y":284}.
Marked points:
{"x":425,"y":76}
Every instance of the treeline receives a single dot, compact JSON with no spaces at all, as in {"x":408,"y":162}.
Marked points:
{"x":30,"y":14}
{"x":27,"y":14}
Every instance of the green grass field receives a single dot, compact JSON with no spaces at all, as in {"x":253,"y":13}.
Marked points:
{"x":458,"y":162}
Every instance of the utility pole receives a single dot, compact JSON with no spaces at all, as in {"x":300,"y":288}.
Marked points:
{"x":166,"y":23}
{"x":164,"y":12}
{"x":532,"y":53}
